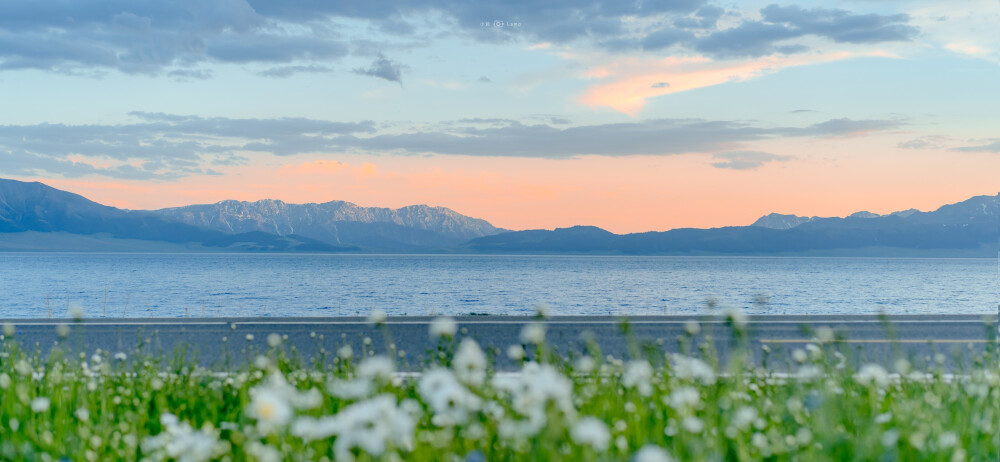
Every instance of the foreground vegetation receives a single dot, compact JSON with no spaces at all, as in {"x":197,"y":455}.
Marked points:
{"x":356,"y":405}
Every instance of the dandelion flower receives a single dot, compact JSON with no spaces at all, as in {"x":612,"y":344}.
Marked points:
{"x":470,"y":363}
{"x":593,"y":432}
{"x":533,"y":333}
{"x":652,"y":453}
{"x":40,"y":404}
{"x":443,"y":327}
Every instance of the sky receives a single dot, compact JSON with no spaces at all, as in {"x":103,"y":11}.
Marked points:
{"x":631,"y":116}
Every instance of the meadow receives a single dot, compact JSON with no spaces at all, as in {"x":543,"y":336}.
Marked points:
{"x":355,"y":404}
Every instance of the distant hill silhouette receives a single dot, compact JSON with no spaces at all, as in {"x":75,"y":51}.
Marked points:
{"x":968,"y":228}
{"x":37,"y":207}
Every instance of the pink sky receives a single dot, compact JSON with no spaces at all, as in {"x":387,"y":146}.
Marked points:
{"x":628,"y":194}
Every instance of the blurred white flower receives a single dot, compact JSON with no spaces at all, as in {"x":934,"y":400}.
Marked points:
{"x":76,"y":311}
{"x":688,"y":368}
{"x":799,"y":355}
{"x":180,"y":442}
{"x":4,"y":381}
{"x":273,"y":340}
{"x":469,"y":363}
{"x":443,"y":327}
{"x":120,"y":356}
{"x":872,"y":374}
{"x":651,"y":453}
{"x":450,"y":402}
{"x":515,"y":352}
{"x":744,"y":417}
{"x":533,"y":333}
{"x":692,"y":327}
{"x":40,"y":404}
{"x":377,"y":317}
{"x":345,"y":352}
{"x":639,"y":375}
{"x":593,"y":432}
{"x":377,"y":368}
{"x":684,"y":399}
{"x":264,"y":452}
{"x":373,"y":426}
{"x":537,"y":387}
{"x":736,"y":317}
{"x":585,"y":364}
{"x":350,"y":389}
{"x":692,"y":424}
{"x":272,"y":403}
{"x":62,"y":330}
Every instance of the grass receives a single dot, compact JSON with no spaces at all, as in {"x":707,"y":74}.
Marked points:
{"x":354,"y":405}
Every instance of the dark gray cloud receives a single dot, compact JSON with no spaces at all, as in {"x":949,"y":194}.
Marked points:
{"x":651,"y":137}
{"x":158,"y":146}
{"x":150,"y":37}
{"x":745,"y":160}
{"x":782,"y":23}
{"x":167,"y":146}
{"x":384,"y":68}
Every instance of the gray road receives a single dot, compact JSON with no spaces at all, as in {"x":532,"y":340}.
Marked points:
{"x":232,"y":342}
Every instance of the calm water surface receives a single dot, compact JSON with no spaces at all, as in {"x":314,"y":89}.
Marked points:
{"x":177,"y":285}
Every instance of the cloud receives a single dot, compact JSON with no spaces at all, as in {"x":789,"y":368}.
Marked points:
{"x":383,"y":68}
{"x":660,"y":85}
{"x":745,"y":160}
{"x":779,"y":24}
{"x":288,"y":71}
{"x":650,"y":137}
{"x":625,"y":84}
{"x":989,"y":147}
{"x":167,"y":146}
{"x":159,"y":146}
{"x":156,"y":38}
{"x":924,"y":142}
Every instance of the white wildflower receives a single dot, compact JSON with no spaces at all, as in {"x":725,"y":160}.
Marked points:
{"x":345,"y":352}
{"x":179,"y":441}
{"x":683,"y":398}
{"x":121,"y":356}
{"x":799,"y":355}
{"x":824,"y":334}
{"x":76,"y":311}
{"x":736,"y":317}
{"x":470,"y":363}
{"x":692,"y":327}
{"x":272,"y":403}
{"x":450,"y":402}
{"x":443,"y":327}
{"x":4,"y":381}
{"x":264,"y":452}
{"x":515,"y":352}
{"x":40,"y":404}
{"x":62,"y":330}
{"x":377,"y":317}
{"x":872,"y":374}
{"x":350,"y":389}
{"x":652,"y":453}
{"x":534,"y":390}
{"x":744,"y":417}
{"x":273,"y":340}
{"x":947,"y":439}
{"x":374,"y":426}
{"x":8,"y":329}
{"x":585,"y":364}
{"x":533,"y":333}
{"x":377,"y":368}
{"x":593,"y":432}
{"x":639,"y":375}
{"x":693,"y":424}
{"x":82,"y":414}
{"x":686,"y":368}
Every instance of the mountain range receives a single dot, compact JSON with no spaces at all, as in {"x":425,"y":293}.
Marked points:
{"x":36,"y":217}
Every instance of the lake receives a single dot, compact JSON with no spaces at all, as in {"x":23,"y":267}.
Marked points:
{"x":178,"y":285}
